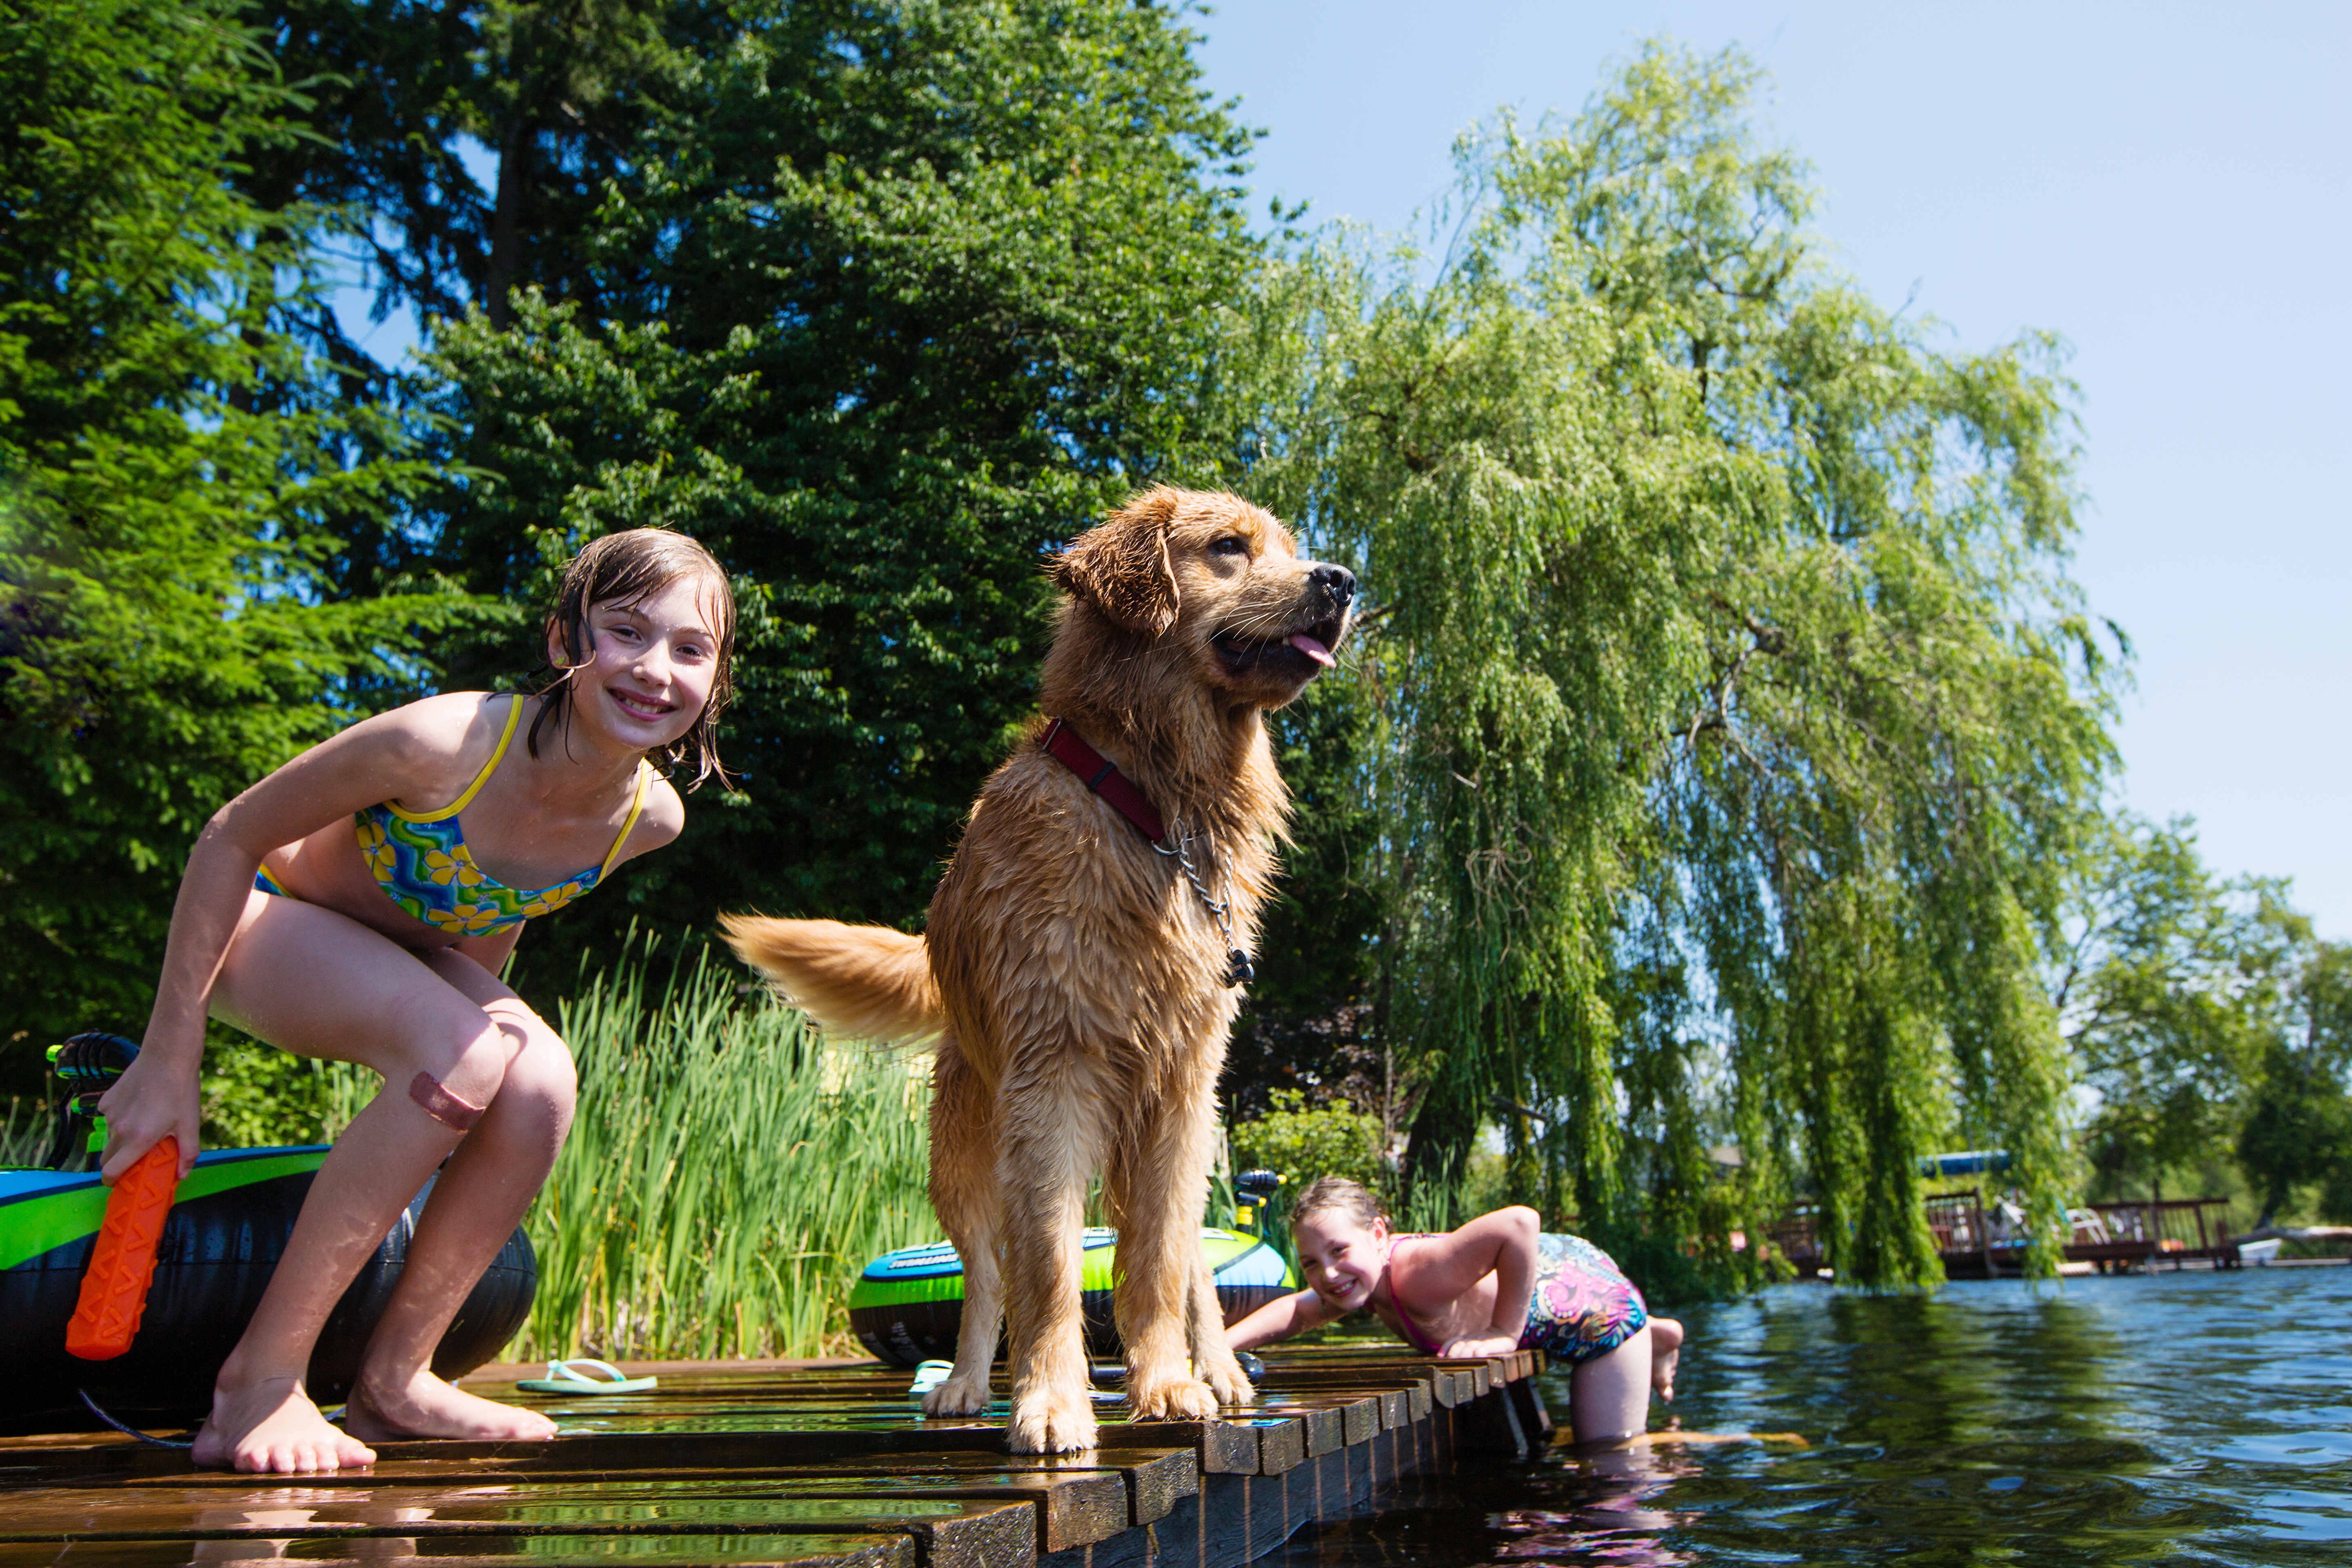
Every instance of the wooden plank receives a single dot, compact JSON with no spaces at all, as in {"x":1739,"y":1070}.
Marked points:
{"x":495,"y":1552}
{"x":1535,"y":1420}
{"x":763,"y":1453}
{"x":1156,"y":1478}
{"x":1391,"y":1404}
{"x":1402,"y":1397}
{"x":1488,"y":1425}
{"x":1176,"y":1541}
{"x":943,"y":1512}
{"x":1281,"y":1444}
{"x":1324,"y":1426}
{"x":1223,"y":1446}
{"x":1334,"y":1420}
{"x":1451,"y":1381}
{"x":1360,"y":1418}
{"x":1486,"y":1371}
{"x":953,"y":1532}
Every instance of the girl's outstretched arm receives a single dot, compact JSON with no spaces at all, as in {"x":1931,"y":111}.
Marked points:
{"x":1280,"y":1318}
{"x":1442,"y":1269}
{"x":413,"y":751}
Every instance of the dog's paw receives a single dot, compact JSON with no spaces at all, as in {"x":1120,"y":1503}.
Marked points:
{"x":1055,"y":1423}
{"x":1170,"y":1398}
{"x":958,"y":1396}
{"x":1226,"y":1380}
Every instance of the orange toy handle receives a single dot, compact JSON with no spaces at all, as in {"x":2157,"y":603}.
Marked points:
{"x":114,"y":1291}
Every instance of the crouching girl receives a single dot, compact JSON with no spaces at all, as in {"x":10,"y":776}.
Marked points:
{"x":357,"y":904}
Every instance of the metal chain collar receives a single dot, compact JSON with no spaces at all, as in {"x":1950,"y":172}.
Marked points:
{"x":1239,"y":970}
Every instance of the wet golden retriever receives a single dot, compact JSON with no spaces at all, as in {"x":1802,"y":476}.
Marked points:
{"x":1074,"y":977}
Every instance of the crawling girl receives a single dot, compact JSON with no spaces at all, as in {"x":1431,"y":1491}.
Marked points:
{"x":357,"y":904}
{"x":1495,"y":1285}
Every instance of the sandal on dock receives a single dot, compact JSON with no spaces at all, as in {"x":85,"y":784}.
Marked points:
{"x":561,"y":1379}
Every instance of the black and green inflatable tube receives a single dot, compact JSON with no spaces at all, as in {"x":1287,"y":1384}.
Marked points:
{"x":228,"y":1227}
{"x":908,"y":1305}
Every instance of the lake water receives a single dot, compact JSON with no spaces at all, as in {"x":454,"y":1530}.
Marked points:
{"x":2173,"y":1418}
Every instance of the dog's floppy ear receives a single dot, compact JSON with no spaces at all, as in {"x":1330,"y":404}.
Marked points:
{"x":1120,"y":565}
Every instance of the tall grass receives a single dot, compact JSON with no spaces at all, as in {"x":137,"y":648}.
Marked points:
{"x":727,"y":1174}
{"x":24,"y":1131}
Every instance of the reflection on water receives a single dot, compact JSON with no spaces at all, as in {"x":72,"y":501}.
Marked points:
{"x":2179,"y":1418}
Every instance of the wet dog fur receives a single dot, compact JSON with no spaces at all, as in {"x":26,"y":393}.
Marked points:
{"x":1073,"y":984}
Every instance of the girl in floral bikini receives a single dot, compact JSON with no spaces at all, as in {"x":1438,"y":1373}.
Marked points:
{"x":337,"y":909}
{"x":1495,"y":1285}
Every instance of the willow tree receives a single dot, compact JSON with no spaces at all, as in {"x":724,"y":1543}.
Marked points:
{"x":1729,"y":717}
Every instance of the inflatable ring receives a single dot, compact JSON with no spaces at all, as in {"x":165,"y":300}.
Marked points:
{"x":228,"y":1227}
{"x":908,"y":1305}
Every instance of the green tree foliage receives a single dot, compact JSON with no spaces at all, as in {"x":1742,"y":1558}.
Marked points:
{"x":1735,"y":719}
{"x":1315,"y":1021}
{"x":890,"y":300}
{"x":170,"y":466}
{"x":1302,"y":1141}
{"x":2171,"y":988}
{"x":2207,"y":1023}
{"x":2297,"y":1129}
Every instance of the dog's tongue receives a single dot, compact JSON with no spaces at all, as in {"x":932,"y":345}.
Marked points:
{"x":1310,"y":647}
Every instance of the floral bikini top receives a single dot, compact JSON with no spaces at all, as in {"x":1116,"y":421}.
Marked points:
{"x":421,"y":861}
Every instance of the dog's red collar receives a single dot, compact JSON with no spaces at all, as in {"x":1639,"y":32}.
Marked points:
{"x":1069,"y":748}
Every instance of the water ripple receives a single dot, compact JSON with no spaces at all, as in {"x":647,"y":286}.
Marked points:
{"x":2173,"y":1419}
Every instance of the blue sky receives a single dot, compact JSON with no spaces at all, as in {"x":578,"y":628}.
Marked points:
{"x":2167,"y":187}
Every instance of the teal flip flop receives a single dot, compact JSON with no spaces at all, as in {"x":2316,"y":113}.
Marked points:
{"x":927,"y":1376}
{"x":561,"y":1379}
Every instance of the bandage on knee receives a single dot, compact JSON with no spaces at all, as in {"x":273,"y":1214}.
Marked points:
{"x":441,"y":1105}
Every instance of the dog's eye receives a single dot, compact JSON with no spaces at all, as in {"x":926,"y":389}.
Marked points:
{"x":1231,"y":545}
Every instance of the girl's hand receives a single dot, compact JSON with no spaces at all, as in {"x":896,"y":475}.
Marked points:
{"x":1475,"y":1347}
{"x":155,"y":1097}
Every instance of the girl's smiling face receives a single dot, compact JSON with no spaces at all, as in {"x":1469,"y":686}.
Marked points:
{"x":650,"y":666}
{"x":1341,"y":1258}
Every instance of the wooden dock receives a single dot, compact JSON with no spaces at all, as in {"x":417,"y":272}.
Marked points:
{"x":1974,"y":1243}
{"x":831,"y":1466}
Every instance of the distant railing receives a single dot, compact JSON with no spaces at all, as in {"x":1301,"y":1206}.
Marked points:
{"x":1979,"y":1241}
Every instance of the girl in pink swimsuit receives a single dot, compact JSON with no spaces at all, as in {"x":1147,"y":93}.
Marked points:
{"x":1495,"y":1285}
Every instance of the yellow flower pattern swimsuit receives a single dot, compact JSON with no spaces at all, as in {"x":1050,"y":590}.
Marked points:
{"x":421,"y":861}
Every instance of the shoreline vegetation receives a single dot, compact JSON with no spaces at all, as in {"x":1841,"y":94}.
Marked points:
{"x":728,"y":1175}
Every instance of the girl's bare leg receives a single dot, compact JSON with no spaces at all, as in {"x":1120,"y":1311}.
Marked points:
{"x":1665,"y":1355}
{"x":316,"y":983}
{"x":479,"y":1199}
{"x":1608,"y":1397}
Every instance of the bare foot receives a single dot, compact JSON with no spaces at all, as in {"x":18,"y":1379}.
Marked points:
{"x":1665,"y":1355}
{"x":270,"y":1427}
{"x":424,"y":1407}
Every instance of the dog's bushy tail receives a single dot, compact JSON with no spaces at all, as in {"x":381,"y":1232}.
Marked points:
{"x":864,"y":983}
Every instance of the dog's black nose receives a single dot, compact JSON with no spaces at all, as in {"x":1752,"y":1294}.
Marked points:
{"x":1337,"y":580}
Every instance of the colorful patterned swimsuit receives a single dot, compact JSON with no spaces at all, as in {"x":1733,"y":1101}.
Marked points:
{"x":1582,"y":1305}
{"x":421,"y":861}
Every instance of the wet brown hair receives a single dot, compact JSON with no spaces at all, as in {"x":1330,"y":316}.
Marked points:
{"x":1352,"y":1199}
{"x":628,"y":568}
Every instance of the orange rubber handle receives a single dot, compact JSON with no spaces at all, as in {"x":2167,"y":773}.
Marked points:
{"x":114,"y":1291}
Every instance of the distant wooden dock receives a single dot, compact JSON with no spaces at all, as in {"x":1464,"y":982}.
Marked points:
{"x":825,"y":1466}
{"x":1975,"y":1244}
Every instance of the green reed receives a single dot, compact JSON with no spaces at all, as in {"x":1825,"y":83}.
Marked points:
{"x":727,"y":1174}
{"x":24,"y":1129}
